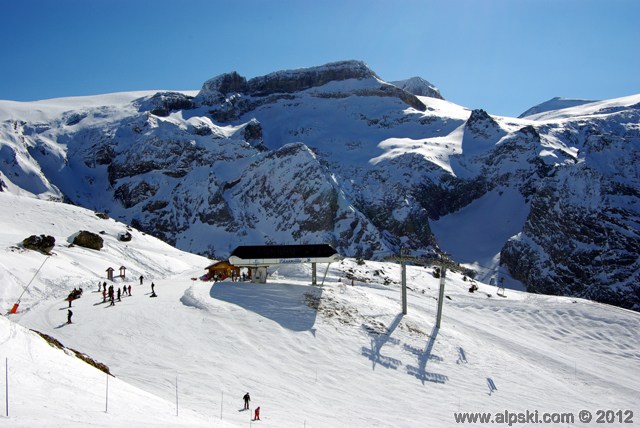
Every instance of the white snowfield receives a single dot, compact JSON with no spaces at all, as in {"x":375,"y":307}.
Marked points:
{"x":329,"y":356}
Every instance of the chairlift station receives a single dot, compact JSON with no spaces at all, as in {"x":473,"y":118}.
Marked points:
{"x":258,"y":257}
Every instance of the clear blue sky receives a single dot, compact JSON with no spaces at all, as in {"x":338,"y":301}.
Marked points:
{"x":501,"y":55}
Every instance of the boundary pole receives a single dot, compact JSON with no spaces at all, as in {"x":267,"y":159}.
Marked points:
{"x":106,"y":397}
{"x":6,"y":383}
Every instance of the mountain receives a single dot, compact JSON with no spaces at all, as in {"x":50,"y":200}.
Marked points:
{"x":556,"y":103}
{"x":337,"y":354}
{"x":335,"y":154}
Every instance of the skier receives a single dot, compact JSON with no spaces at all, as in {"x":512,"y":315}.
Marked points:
{"x":246,"y":399}
{"x":129,"y":290}
{"x":119,"y":295}
{"x":104,"y":295}
{"x":69,"y":315}
{"x":152,"y":285}
{"x":141,"y":278}
{"x":256,"y":415}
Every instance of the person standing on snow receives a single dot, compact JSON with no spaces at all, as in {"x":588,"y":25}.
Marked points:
{"x":69,"y":315}
{"x":246,"y":399}
{"x":256,"y":414}
{"x":141,"y":278}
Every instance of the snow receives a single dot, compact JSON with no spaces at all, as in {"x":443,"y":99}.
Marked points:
{"x":477,"y":232}
{"x":354,"y":362}
{"x":591,"y":108}
{"x":556,"y":103}
{"x":436,"y":150}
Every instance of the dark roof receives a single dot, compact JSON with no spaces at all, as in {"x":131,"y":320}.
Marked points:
{"x":283,"y":251}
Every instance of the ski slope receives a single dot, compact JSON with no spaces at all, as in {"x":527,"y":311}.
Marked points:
{"x":355,"y":361}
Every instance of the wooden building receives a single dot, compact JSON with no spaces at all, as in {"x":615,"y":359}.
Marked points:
{"x":222,"y":269}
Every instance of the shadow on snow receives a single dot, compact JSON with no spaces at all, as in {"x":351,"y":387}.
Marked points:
{"x":285,"y":304}
{"x":380,"y":337}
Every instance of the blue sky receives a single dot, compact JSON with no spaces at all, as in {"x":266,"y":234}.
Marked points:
{"x":501,"y":55}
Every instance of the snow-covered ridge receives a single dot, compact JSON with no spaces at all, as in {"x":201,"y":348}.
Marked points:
{"x":364,"y":82}
{"x":556,"y":103}
{"x":589,"y":108}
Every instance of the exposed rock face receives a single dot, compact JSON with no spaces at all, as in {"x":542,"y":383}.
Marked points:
{"x":292,"y":176}
{"x":216,"y":89}
{"x":163,"y":103}
{"x":480,"y":124}
{"x":300,"y":80}
{"x":580,"y":239}
{"x":42,"y":243}
{"x":253,"y":132}
{"x":88,"y":240}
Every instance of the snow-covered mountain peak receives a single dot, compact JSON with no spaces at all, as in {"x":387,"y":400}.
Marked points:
{"x":418,"y":86}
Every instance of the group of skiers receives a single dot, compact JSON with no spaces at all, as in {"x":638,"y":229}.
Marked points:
{"x":75,"y":294}
{"x":126,"y":290}
{"x":109,"y":292}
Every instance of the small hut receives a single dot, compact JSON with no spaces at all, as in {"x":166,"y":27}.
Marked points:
{"x":122,"y":271}
{"x":110,"y":273}
{"x":221,"y":270}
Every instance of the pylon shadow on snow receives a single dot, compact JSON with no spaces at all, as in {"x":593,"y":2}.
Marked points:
{"x":424,"y":357}
{"x":379,"y":337}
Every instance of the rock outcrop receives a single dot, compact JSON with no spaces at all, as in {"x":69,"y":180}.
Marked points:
{"x":42,"y":243}
{"x":89,"y":240}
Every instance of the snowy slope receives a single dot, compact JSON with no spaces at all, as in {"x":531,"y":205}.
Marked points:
{"x":556,"y":103}
{"x":51,"y":387}
{"x":353,"y":362}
